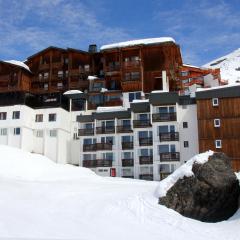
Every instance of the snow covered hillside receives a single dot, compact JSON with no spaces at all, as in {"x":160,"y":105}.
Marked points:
{"x":42,"y":200}
{"x":229,"y":65}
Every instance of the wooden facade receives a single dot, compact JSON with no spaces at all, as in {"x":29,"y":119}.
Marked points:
{"x":14,"y":78}
{"x":227,"y":114}
{"x":139,"y":68}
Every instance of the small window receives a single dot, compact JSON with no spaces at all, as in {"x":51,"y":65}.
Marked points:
{"x":185,"y":124}
{"x":53,"y":133}
{"x":39,"y":133}
{"x":186,"y":144}
{"x":16,"y":131}
{"x":217,"y":122}
{"x":87,"y":68}
{"x":59,"y":85}
{"x":16,"y":115}
{"x":52,"y":117}
{"x":45,"y":86}
{"x":3,"y":131}
{"x":218,"y":143}
{"x":215,"y":102}
{"x":3,"y":115}
{"x":39,"y":118}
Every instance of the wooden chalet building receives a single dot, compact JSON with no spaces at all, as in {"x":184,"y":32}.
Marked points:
{"x":218,"y":112}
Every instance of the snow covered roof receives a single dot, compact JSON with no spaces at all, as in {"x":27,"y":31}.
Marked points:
{"x":140,"y":100}
{"x":70,"y":92}
{"x":92,"y":78}
{"x":19,"y":64}
{"x":184,"y":170}
{"x":146,"y":41}
{"x":110,"y":109}
{"x":188,"y":65}
{"x":218,"y":87}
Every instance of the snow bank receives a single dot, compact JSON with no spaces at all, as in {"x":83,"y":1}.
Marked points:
{"x":19,"y":64}
{"x":184,"y":170}
{"x":145,"y":41}
{"x":18,"y":164}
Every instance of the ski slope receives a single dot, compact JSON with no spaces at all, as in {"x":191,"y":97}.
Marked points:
{"x":42,"y":200}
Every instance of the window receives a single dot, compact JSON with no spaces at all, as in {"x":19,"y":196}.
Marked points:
{"x":59,"y":85}
{"x":45,"y":86}
{"x":127,"y":155}
{"x":3,"y":131}
{"x":184,"y":73}
{"x":135,"y":75}
{"x":52,"y":117}
{"x":127,"y":138}
{"x":217,"y":122}
{"x":186,"y":144}
{"x":45,"y":75}
{"x":3,"y":115}
{"x":39,"y":118}
{"x":218,"y":143}
{"x":16,"y":131}
{"x":185,"y":124}
{"x":39,"y":133}
{"x":16,"y":115}
{"x":134,"y":95}
{"x":87,"y":68}
{"x":60,"y":74}
{"x":53,"y":133}
{"x":215,"y":102}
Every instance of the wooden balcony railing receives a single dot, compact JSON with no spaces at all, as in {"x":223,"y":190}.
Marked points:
{"x":148,"y":177}
{"x":169,"y":156}
{"x":164,"y":117}
{"x":141,"y":123}
{"x":97,"y":163}
{"x":169,"y":136}
{"x":86,"y":132}
{"x":105,"y":130}
{"x":124,"y":129}
{"x":127,"y":145}
{"x":131,"y":64}
{"x":127,"y":162}
{"x":145,"y":141}
{"x":97,"y":147}
{"x":145,"y":160}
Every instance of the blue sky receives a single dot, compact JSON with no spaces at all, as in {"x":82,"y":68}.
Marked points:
{"x":205,"y":29}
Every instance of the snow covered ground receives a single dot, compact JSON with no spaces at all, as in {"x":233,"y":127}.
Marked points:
{"x":229,"y":66}
{"x":42,"y":200}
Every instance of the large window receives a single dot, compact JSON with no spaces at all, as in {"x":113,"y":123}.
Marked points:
{"x":3,"y":115}
{"x":16,"y":115}
{"x":127,"y":138}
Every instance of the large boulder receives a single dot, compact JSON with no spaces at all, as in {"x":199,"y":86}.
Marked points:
{"x":211,"y":194}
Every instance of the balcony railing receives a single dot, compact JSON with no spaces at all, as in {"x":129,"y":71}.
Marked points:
{"x":127,"y":162}
{"x":105,"y":130}
{"x":131,"y":64}
{"x":145,"y":160}
{"x":148,"y":177}
{"x":164,"y":117}
{"x":169,"y":136}
{"x":124,"y":129}
{"x":141,"y":123}
{"x":86,"y":132}
{"x":145,"y":141}
{"x":127,"y":145}
{"x":97,"y":163}
{"x":169,"y":156}
{"x":97,"y":147}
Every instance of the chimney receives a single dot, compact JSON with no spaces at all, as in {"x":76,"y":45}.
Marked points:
{"x":92,"y":48}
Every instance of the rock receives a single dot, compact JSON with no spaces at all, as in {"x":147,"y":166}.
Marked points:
{"x":211,"y":195}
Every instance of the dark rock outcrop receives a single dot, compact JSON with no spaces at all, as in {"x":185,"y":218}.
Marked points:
{"x":211,"y":195}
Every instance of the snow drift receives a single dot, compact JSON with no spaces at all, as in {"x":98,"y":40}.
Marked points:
{"x":42,"y":200}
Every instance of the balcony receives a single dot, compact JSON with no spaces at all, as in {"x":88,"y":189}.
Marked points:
{"x":113,"y":102}
{"x":164,"y":117}
{"x":127,"y":162}
{"x":131,"y":64}
{"x":169,"y":136}
{"x":105,"y":130}
{"x":145,"y":141}
{"x":127,"y":145}
{"x":124,"y":129}
{"x":114,"y":68}
{"x":97,"y":163}
{"x":86,"y":132}
{"x":148,"y":177}
{"x":97,"y":147}
{"x":145,"y":160}
{"x":170,"y":156}
{"x":141,"y":123}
